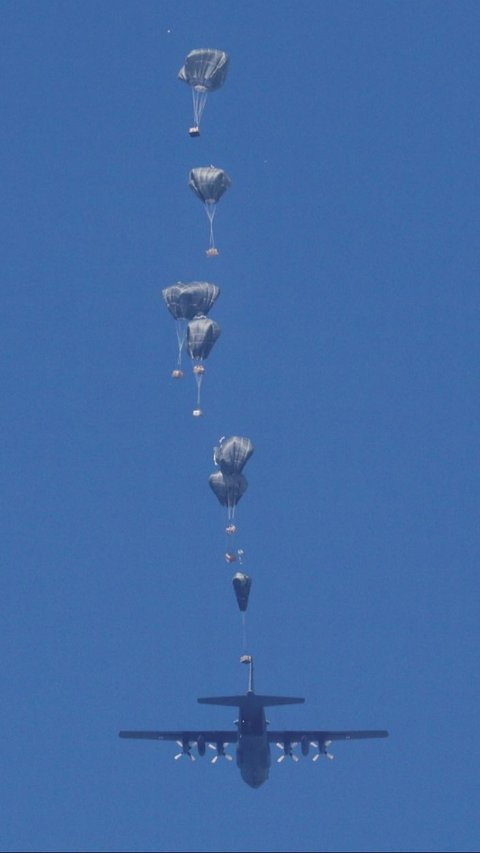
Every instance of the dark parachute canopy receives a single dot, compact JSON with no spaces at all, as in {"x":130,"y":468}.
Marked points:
{"x":241,"y":585}
{"x":233,"y":453}
{"x":209,"y":184}
{"x":201,"y":336}
{"x":205,"y":70}
{"x":228,"y":488}
{"x":184,"y":302}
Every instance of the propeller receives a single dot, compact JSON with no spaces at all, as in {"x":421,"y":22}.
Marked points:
{"x":287,"y":749}
{"x":186,"y":749}
{"x":220,"y":750}
{"x":323,"y":750}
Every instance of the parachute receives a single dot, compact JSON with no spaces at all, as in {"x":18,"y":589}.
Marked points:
{"x":232,"y":454}
{"x":186,"y":301}
{"x":204,"y":70}
{"x":241,"y":585}
{"x":229,"y":484}
{"x":228,"y":488}
{"x":201,"y":336}
{"x":209,"y":184}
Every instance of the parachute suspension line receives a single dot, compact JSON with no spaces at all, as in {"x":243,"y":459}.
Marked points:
{"x":195,"y":98}
{"x":181,"y":328}
{"x":199,"y":102}
{"x":244,"y":631}
{"x":230,"y":507}
{"x":210,"y":211}
{"x":203,"y":103}
{"x":198,"y":380}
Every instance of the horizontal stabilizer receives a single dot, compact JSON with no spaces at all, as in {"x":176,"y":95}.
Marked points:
{"x":251,"y":699}
{"x":267,"y":701}
{"x":233,"y":701}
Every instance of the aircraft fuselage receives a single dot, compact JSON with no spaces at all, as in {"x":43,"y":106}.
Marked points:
{"x":253,"y":750}
{"x":253,"y":759}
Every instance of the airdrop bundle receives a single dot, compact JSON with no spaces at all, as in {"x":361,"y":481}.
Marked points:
{"x":190,"y":303}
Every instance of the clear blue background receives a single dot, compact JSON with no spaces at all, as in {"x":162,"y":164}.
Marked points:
{"x":349,"y":270}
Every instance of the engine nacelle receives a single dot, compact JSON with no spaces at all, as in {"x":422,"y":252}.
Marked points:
{"x":201,"y":745}
{"x":305,"y":744}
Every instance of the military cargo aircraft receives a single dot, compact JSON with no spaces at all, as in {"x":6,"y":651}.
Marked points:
{"x":253,"y":737}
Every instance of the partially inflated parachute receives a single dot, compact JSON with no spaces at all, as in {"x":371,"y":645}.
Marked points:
{"x":241,"y":585}
{"x":209,"y":184}
{"x":205,"y":70}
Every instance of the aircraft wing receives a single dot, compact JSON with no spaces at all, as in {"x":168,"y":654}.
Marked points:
{"x":294,"y":736}
{"x":216,"y":736}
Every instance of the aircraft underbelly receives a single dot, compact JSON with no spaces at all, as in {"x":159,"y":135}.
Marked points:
{"x":253,"y":759}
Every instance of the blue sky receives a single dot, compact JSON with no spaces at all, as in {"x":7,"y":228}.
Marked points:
{"x":349,"y":355}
